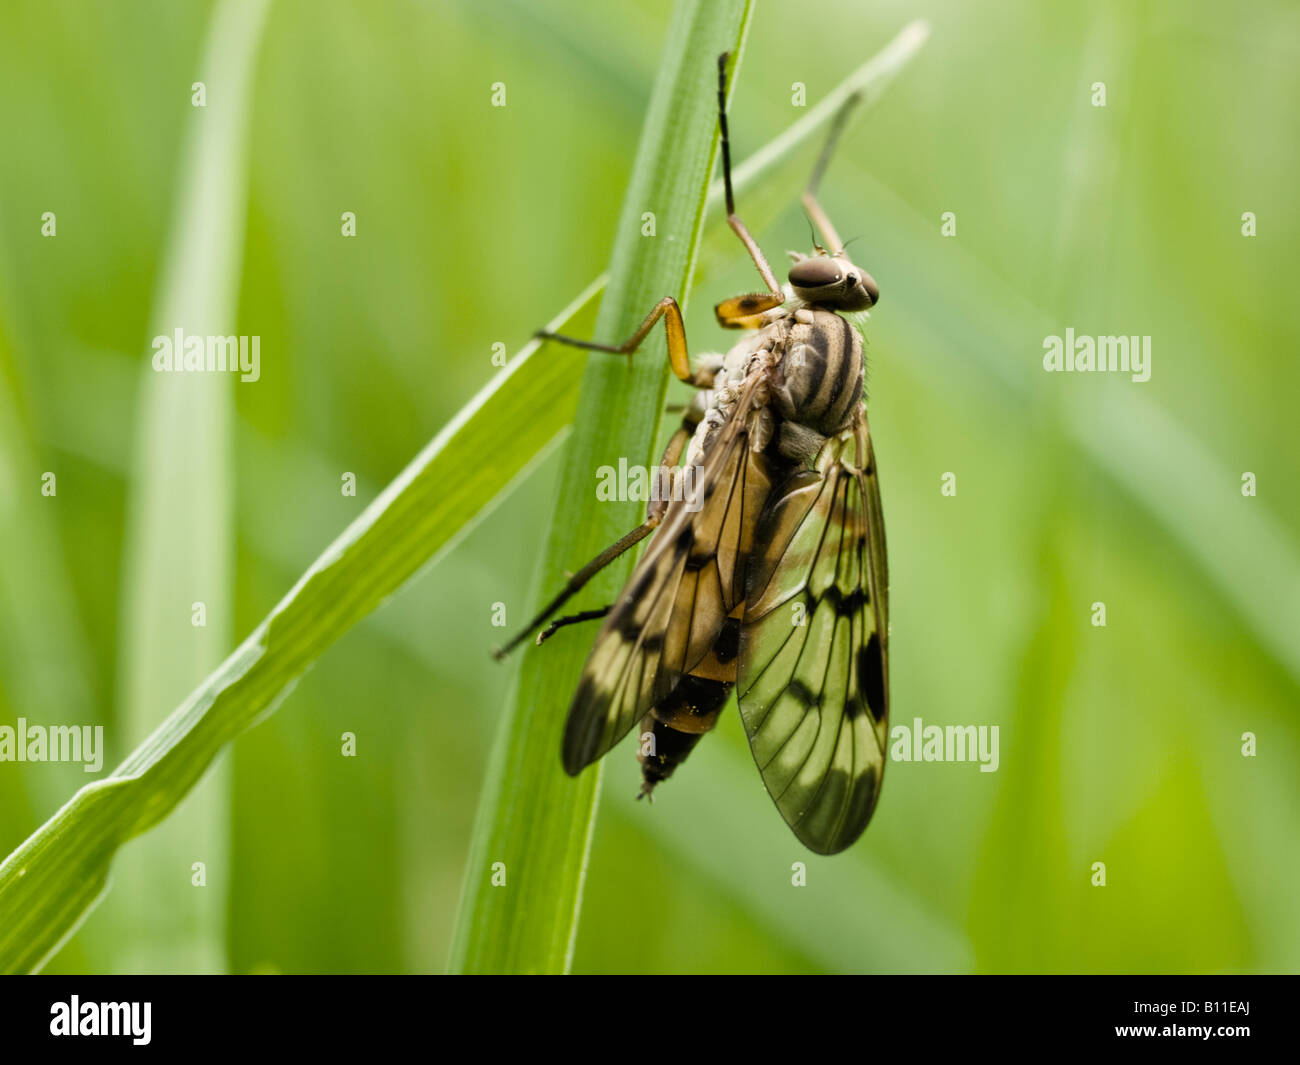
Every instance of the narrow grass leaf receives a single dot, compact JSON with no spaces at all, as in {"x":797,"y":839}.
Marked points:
{"x":178,"y":600}
{"x":535,"y":824}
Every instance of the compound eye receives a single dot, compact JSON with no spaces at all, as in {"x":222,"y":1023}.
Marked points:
{"x":873,"y":290}
{"x":814,"y":273}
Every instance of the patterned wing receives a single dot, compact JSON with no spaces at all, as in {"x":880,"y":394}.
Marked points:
{"x":813,"y":673}
{"x":678,"y":598}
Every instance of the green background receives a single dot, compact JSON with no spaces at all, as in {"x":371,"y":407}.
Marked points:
{"x":1120,"y":744}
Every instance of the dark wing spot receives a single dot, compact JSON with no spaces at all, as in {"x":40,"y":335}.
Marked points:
{"x":871,"y":676}
{"x":846,"y":606}
{"x":642,"y":583}
{"x":855,"y":707}
{"x":803,"y":693}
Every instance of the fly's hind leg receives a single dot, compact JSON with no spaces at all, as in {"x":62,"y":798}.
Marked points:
{"x":654,"y":516}
{"x":571,"y":619}
{"x":576,"y":582}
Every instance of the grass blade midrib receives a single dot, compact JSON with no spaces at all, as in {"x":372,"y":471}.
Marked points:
{"x":535,"y":824}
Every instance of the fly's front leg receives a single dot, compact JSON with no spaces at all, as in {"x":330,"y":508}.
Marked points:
{"x":746,"y":311}
{"x":742,"y":312}
{"x":678,"y":355}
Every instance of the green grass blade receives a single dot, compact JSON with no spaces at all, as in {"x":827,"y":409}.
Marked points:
{"x":535,"y":824}
{"x":47,"y":883}
{"x":180,"y":522}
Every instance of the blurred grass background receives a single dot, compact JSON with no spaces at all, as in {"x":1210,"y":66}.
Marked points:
{"x":475,"y":225}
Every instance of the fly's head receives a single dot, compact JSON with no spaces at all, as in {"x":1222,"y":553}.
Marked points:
{"x":832,"y":281}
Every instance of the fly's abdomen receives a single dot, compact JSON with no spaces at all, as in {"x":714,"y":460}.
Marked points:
{"x":676,"y":724}
{"x":820,"y":381}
